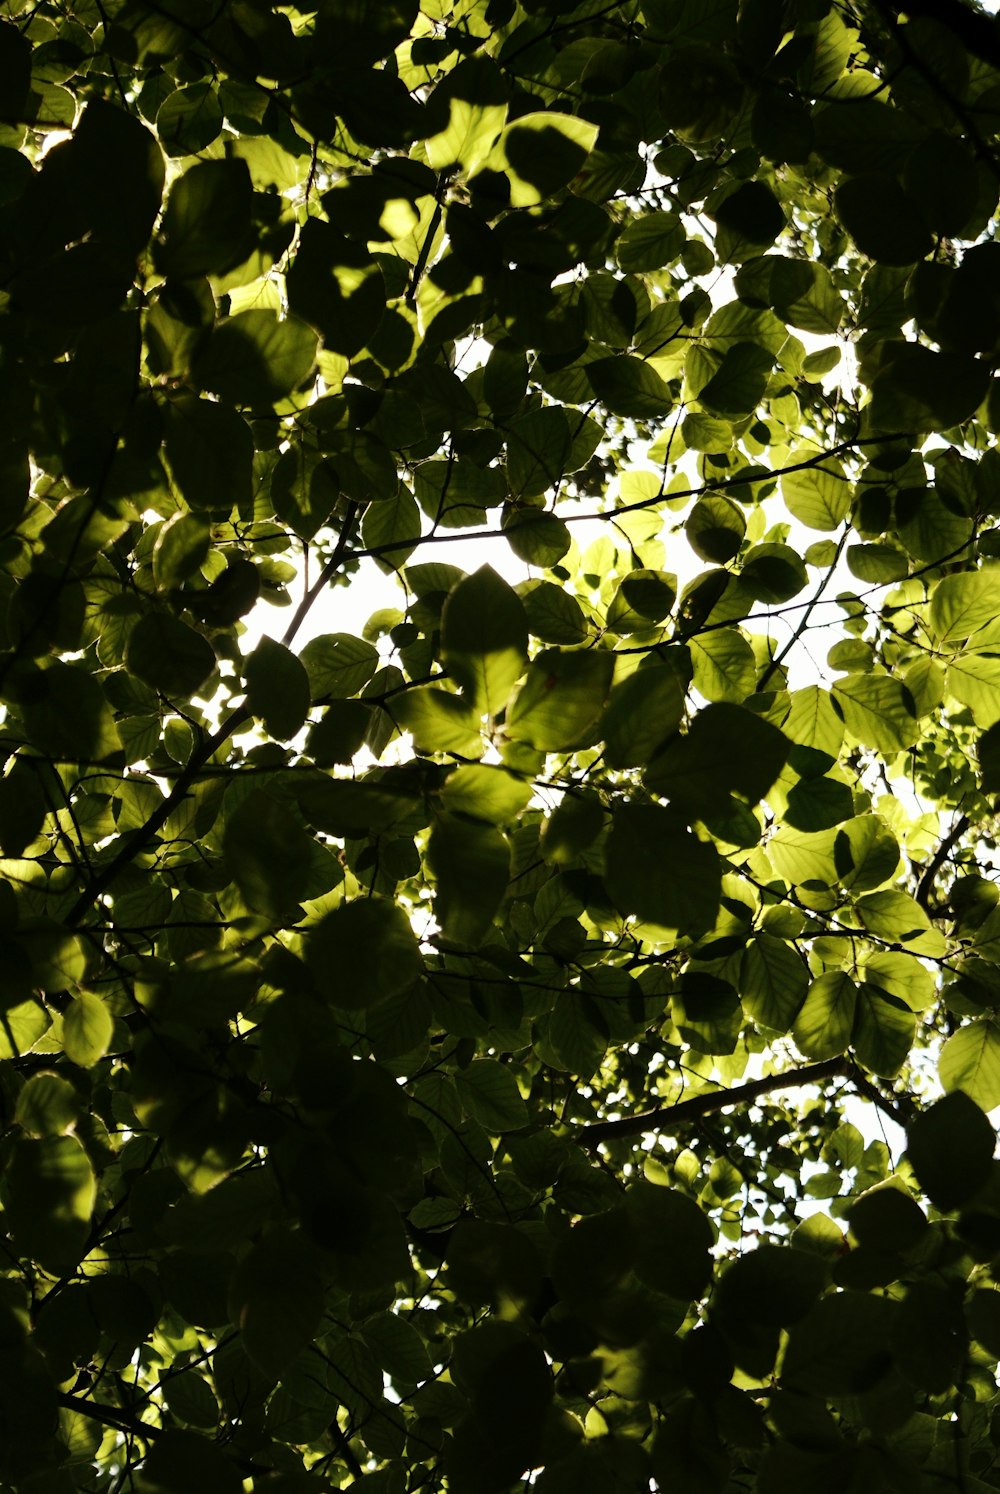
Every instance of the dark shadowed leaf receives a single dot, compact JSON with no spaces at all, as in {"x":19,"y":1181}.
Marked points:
{"x":484,"y":637}
{"x":470,"y":863}
{"x":363,"y":953}
{"x":661,"y":872}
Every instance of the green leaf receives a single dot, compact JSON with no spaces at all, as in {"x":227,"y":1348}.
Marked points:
{"x":541,"y":153}
{"x":887,"y":1219}
{"x":277,"y":1297}
{"x":305,"y":489}
{"x":813,"y":721}
{"x":180,"y":1461}
{"x":824,"y":1026}
{"x":363,"y":953}
{"x":819,"y":496}
{"x":485,"y":793}
{"x":898,"y":918}
{"x":878,"y":711}
{"x":573,"y":825}
{"x":392,"y":527}
{"x":918,"y":389}
{"x":87,"y":1029}
{"x":337,"y":287}
{"x":974,"y":681}
{"x":254,"y":358}
{"x":723,"y":666}
{"x":537,"y":538}
{"x":553,"y":615}
{"x":538,"y":446}
{"x":47,"y":1106}
{"x":561,"y":701}
{"x":961,"y":605}
{"x":182,"y":547}
{"x":484,"y":639}
{"x":940,"y":175}
{"x":209,"y":450}
{"x":801,"y":292}
{"x":278,"y":688}
{"x":950,"y":1147}
{"x":650,"y":242}
{"x":698,"y":769}
{"x":659,"y":871}
{"x":818,"y":803}
{"x":749,"y":218}
{"x":884,"y":1029}
{"x":191,"y":1400}
{"x":439,"y":722}
{"x":338,"y":665}
{"x":643,"y":599}
{"x":877,"y":562}
{"x":268,"y":852}
{"x":773,"y":982}
{"x":189,"y":119}
{"x":399,"y":1348}
{"x":470,"y":863}
{"x":468,"y":137}
{"x":50,"y":1192}
{"x":642,"y":712}
{"x":715,"y":529}
{"x":673,"y":1240}
{"x":839,"y":1347}
{"x":57,"y":957}
{"x":737,"y":386}
{"x":988,"y":752}
{"x":489,"y":1093}
{"x":883,"y":219}
{"x":865,"y":853}
{"x":773,"y":573}
{"x":66,"y":714}
{"x":111,"y":174}
{"x":169,"y":656}
{"x":771,"y":1285}
{"x":629,"y":386}
{"x":206,"y":227}
{"x":970,"y":1061}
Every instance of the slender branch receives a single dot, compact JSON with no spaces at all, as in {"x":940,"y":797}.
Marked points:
{"x":668,"y":1117}
{"x":425,"y":250}
{"x":112,"y":1416}
{"x":326,"y":574}
{"x":803,"y":621}
{"x":899,"y":1108}
{"x":937,"y":861}
{"x":717,"y":485}
{"x":346,"y":1450}
{"x":108,"y":1416}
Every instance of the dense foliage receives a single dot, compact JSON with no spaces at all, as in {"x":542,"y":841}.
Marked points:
{"x":424,"y":1049}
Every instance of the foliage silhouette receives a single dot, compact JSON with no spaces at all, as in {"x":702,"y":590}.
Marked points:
{"x":424,"y":1049}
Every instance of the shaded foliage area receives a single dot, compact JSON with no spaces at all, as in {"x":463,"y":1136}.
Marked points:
{"x":424,"y":1048}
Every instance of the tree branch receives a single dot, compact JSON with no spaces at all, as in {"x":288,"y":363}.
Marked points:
{"x":108,"y":1416}
{"x":668,"y":1117}
{"x":899,"y":1108}
{"x":609,"y":515}
{"x":130,"y":1426}
{"x":937,"y":861}
{"x":803,"y":622}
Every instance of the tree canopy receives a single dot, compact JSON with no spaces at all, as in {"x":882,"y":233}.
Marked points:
{"x":446,"y":1053}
